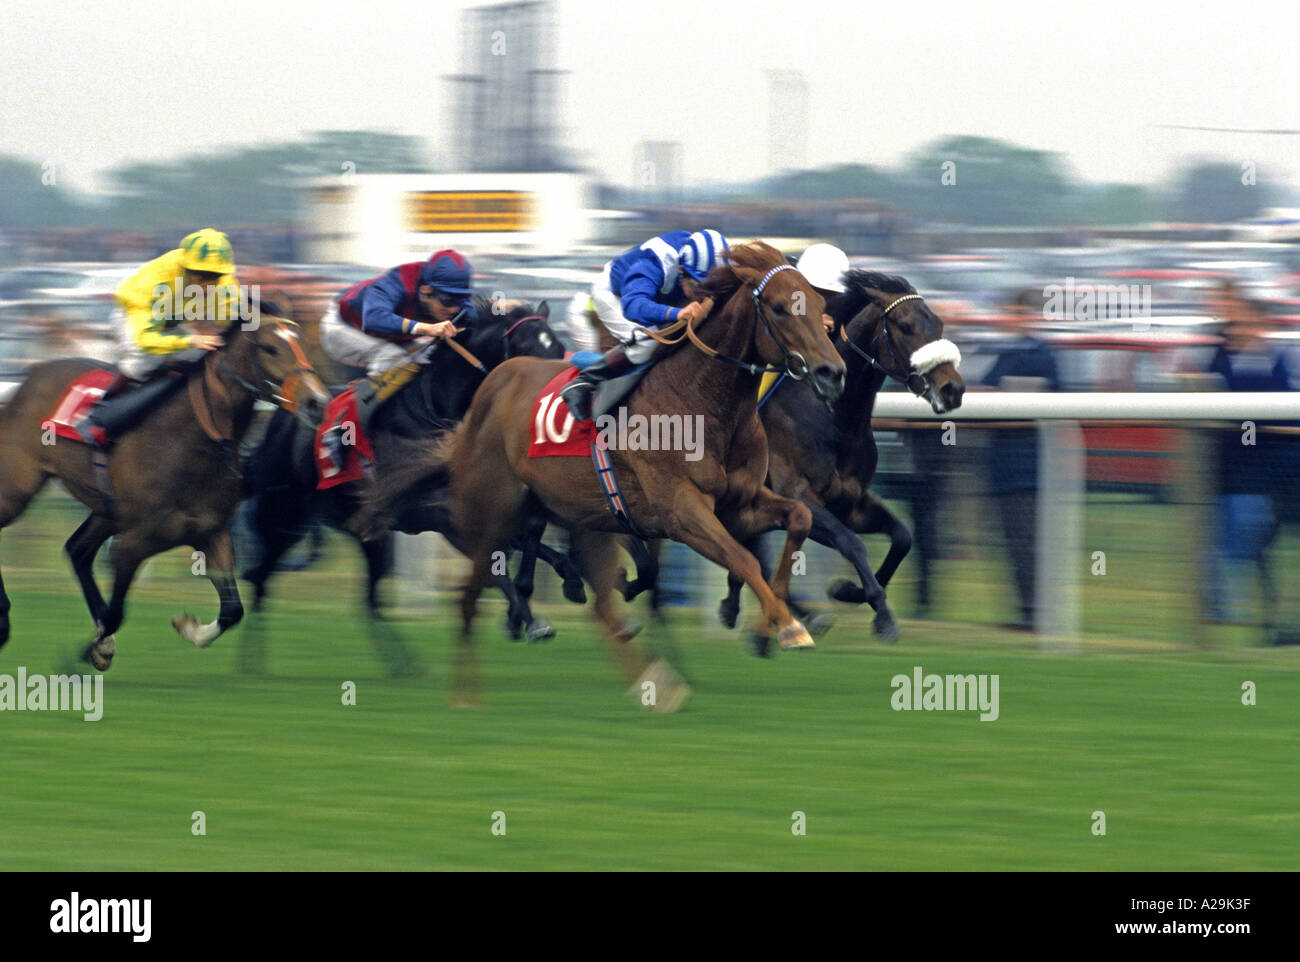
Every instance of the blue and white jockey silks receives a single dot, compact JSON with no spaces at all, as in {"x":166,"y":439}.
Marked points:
{"x":637,"y":289}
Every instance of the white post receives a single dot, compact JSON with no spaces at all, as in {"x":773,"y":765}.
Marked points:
{"x":1060,"y":557}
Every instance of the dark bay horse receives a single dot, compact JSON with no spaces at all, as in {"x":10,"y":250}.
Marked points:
{"x":766,"y":314}
{"x":283,"y":475}
{"x":171,"y":480}
{"x":826,"y":458}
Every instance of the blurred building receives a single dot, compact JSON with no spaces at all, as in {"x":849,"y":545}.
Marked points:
{"x":657,"y":171}
{"x":506,"y":104}
{"x":787,"y":120}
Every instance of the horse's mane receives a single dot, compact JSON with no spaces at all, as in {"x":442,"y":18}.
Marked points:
{"x":858,"y":285}
{"x":724,"y":280}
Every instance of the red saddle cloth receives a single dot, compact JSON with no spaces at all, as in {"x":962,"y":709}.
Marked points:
{"x":554,"y":430}
{"x":342,"y":411}
{"x":75,"y":403}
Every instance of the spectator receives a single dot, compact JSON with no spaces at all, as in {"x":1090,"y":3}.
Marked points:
{"x":1013,"y":452}
{"x":1252,"y":464}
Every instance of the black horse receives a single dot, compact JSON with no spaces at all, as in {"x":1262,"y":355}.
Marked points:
{"x":826,"y":457}
{"x":282,"y":477}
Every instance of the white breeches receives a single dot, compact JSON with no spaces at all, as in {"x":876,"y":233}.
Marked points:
{"x":345,"y":344}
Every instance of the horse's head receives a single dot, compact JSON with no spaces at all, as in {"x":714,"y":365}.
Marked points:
{"x":891,"y":325}
{"x":529,"y":334}
{"x":508,"y":328}
{"x":276,"y":367}
{"x":786,"y":311}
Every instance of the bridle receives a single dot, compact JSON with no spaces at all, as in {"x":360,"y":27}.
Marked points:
{"x":883,"y":332}
{"x":787,"y":356}
{"x":281,"y":393}
{"x":505,"y":338}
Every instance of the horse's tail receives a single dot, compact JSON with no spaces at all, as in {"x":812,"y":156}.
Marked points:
{"x":413,"y":470}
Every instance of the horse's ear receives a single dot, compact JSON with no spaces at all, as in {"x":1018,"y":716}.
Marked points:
{"x":277,"y":303}
{"x":544,"y":309}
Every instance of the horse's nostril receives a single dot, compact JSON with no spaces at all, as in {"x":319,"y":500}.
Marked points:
{"x":829,"y":380}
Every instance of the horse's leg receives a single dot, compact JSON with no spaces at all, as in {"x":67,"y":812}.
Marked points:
{"x":879,"y":519}
{"x":82,"y":547}
{"x":20,"y":481}
{"x":4,"y":613}
{"x":647,"y":570}
{"x":729,"y":609}
{"x":220,"y":554}
{"x":521,"y":613}
{"x":495,"y":510}
{"x":379,"y":562}
{"x":828,"y":530}
{"x":279,"y":519}
{"x":567,"y":570}
{"x":693,"y":523}
{"x":900,"y":541}
{"x":130,"y":550}
{"x":655,"y":682}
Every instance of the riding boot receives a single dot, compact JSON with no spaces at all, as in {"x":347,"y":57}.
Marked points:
{"x":581,"y":391}
{"x":118,"y":411}
{"x":90,"y":428}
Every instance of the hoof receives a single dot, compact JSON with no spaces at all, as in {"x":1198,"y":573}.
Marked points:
{"x":660,"y":688}
{"x":466,"y":701}
{"x":575,"y":592}
{"x":842,"y":589}
{"x":629,"y":631}
{"x":818,"y":625}
{"x":795,"y":637}
{"x":514,"y":629}
{"x":759,"y":645}
{"x":539,"y":629}
{"x":885,"y":627}
{"x":194,"y":631}
{"x":728,"y":613}
{"x":100,"y":653}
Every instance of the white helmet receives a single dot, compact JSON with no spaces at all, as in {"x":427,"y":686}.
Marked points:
{"x":824,"y":265}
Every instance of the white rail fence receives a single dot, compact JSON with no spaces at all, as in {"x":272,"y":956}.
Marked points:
{"x":1061,"y":559}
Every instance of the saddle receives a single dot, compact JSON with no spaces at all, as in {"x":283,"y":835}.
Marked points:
{"x":103,"y":404}
{"x":608,"y":393}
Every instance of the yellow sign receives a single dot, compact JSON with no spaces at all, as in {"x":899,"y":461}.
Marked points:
{"x":456,"y":211}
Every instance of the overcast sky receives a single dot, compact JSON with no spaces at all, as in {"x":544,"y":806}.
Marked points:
{"x":87,"y":85}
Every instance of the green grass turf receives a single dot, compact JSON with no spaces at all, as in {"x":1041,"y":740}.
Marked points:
{"x":252,"y":732}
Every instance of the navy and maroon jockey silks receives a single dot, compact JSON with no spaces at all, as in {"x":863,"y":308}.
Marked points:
{"x":388,"y":306}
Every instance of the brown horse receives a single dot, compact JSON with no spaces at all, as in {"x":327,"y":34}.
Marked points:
{"x":769,"y":315}
{"x":172,"y":480}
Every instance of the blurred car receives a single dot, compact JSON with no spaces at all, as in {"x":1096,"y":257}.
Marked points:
{"x":1130,"y":457}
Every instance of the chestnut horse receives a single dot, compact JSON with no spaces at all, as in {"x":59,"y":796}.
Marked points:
{"x":769,"y":318}
{"x":171,"y":480}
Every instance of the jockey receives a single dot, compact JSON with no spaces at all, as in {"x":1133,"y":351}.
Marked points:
{"x":641,"y":289}
{"x":824,"y":267}
{"x":372,"y":325}
{"x":151,"y":306}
